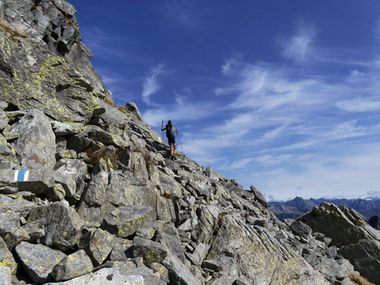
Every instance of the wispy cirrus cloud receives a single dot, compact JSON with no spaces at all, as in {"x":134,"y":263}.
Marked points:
{"x":179,"y":110}
{"x":151,"y":83}
{"x":360,"y":105}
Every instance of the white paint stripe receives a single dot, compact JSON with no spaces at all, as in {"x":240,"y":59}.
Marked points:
{"x":16,"y":176}
{"x":26,"y":176}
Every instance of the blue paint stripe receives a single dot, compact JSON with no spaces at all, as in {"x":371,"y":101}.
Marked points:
{"x":21,"y":174}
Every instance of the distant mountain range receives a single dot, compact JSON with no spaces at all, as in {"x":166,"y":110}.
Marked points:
{"x":298,"y":206}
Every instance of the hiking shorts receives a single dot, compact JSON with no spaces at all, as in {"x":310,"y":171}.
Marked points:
{"x":171,"y":140}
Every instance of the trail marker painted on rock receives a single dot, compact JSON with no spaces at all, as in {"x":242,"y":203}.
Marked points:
{"x":21,"y":175}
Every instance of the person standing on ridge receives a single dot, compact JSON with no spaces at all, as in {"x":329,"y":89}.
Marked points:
{"x":170,"y":129}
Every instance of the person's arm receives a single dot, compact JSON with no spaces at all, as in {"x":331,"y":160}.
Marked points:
{"x":163,"y":128}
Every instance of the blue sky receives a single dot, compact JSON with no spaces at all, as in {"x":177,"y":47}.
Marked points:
{"x":284,"y":95}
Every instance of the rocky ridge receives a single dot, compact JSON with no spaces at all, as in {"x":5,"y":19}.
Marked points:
{"x":354,"y":238}
{"x":88,"y":195}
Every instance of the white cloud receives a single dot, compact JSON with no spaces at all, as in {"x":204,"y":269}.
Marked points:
{"x":151,"y":84}
{"x":359,"y":105}
{"x":299,"y":46}
{"x":181,"y":111}
{"x":328,"y":175}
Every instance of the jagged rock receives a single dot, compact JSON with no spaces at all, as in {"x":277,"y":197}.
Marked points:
{"x":95,"y":194}
{"x":119,"y":249}
{"x":133,"y":111}
{"x":5,"y":276}
{"x":124,"y":221}
{"x":208,"y":217}
{"x":65,"y":129}
{"x":212,"y":265}
{"x":11,"y":230}
{"x":72,"y":266}
{"x":150,"y":251}
{"x":36,"y":141}
{"x":109,"y":276}
{"x":6,"y":258}
{"x":62,"y":225}
{"x":168,"y":235}
{"x":170,"y":187}
{"x":38,"y":260}
{"x":257,"y":260}
{"x":179,"y":273}
{"x":199,"y":254}
{"x":97,"y":244}
{"x":301,"y":229}
{"x":356,"y":240}
{"x":161,"y":271}
{"x":18,"y":204}
{"x":70,"y":175}
{"x":259,"y":196}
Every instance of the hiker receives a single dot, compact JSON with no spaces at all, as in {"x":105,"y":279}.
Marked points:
{"x":171,"y":137}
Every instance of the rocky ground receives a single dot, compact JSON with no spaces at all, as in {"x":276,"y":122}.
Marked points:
{"x":88,"y":195}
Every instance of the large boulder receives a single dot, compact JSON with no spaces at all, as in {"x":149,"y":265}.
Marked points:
{"x":11,"y":230}
{"x":36,"y":141}
{"x":62,"y":225}
{"x":38,"y":260}
{"x":73,"y":265}
{"x":126,"y":220}
{"x":97,"y":244}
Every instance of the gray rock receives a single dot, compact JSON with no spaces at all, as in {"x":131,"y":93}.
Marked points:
{"x":70,"y":175}
{"x":119,"y":249}
{"x":301,"y":229}
{"x":62,"y":225}
{"x":38,"y":260}
{"x":74,"y":265}
{"x":125,"y":221}
{"x":17,"y":204}
{"x":259,"y":196}
{"x":109,"y":276}
{"x":356,"y":240}
{"x":199,"y":254}
{"x":168,"y":235}
{"x":179,"y":273}
{"x":97,"y":244}
{"x":10,"y":229}
{"x":5,"y":276}
{"x":36,"y":143}
{"x":170,"y":187}
{"x":36,"y":180}
{"x":150,"y":251}
{"x":6,"y":258}
{"x":212,"y":265}
{"x":133,"y":111}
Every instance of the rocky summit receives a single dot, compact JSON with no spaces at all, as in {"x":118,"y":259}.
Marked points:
{"x":89,"y":196}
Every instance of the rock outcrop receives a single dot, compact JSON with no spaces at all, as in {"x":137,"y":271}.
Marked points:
{"x":349,"y":232}
{"x":89,"y":196}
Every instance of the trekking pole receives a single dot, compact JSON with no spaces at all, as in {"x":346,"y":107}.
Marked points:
{"x":162,"y":132}
{"x":179,"y":140}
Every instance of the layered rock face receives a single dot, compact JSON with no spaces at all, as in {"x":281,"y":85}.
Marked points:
{"x":356,"y":240}
{"x":88,"y":195}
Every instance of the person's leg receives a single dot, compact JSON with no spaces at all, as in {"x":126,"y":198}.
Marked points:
{"x":174,"y":148}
